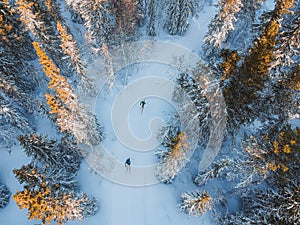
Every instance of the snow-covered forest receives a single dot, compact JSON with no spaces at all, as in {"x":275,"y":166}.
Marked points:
{"x":202,"y":96}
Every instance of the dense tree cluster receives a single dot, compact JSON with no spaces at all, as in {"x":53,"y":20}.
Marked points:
{"x":254,"y":54}
{"x":246,"y":77}
{"x":275,"y":157}
{"x":50,"y":187}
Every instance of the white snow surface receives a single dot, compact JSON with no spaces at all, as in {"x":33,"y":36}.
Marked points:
{"x":119,"y":204}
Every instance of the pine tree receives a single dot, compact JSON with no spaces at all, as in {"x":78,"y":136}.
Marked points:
{"x":220,"y":26}
{"x":69,"y":47}
{"x":213,"y":172}
{"x":97,"y":20}
{"x":71,"y":116}
{"x":195,"y":204}
{"x":172,"y":160}
{"x":39,"y":21}
{"x":12,"y":121}
{"x":44,"y":205}
{"x":4,"y":196}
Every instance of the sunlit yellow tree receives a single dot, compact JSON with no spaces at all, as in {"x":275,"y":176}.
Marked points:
{"x":173,"y":160}
{"x":46,"y":206}
{"x":70,"y":115}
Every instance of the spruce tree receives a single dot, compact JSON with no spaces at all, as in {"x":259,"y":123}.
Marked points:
{"x":13,"y":121}
{"x":49,"y":181}
{"x":38,"y":19}
{"x":46,"y":206}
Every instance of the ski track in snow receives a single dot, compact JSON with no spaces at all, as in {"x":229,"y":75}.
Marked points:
{"x":144,"y":205}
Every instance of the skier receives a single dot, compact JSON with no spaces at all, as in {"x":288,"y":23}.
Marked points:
{"x":142,"y":104}
{"x":127,"y":164}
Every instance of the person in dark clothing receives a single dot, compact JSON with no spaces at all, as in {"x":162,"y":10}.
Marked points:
{"x":127,"y":164}
{"x":142,"y":104}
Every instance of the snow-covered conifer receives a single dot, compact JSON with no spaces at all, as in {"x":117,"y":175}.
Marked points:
{"x":39,"y":21}
{"x":244,"y":32}
{"x":212,"y":172}
{"x":4,"y":196}
{"x":49,"y":181}
{"x":12,"y":121}
{"x":58,"y":162}
{"x":178,"y":13}
{"x":288,"y":47}
{"x":242,"y":90}
{"x":45,"y":205}
{"x":151,"y":23}
{"x":220,"y":26}
{"x":13,"y":35}
{"x":196,"y":204}
{"x":90,"y":206}
{"x":69,"y":47}
{"x":173,"y":160}
{"x":98,"y":20}
{"x":267,"y":207}
{"x":71,"y":116}
{"x":193,"y":99}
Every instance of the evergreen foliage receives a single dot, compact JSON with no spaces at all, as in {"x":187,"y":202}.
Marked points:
{"x":275,"y":157}
{"x":248,"y":78}
{"x":178,"y":13}
{"x":220,"y":26}
{"x":70,"y":115}
{"x":4,"y":196}
{"x":213,"y":172}
{"x":49,"y":181}
{"x":195,"y":204}
{"x":173,"y":159}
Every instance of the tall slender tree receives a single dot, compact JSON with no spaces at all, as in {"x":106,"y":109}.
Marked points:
{"x":65,"y":104}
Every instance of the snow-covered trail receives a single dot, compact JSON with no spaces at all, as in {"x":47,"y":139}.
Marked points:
{"x":142,"y":200}
{"x":140,"y":204}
